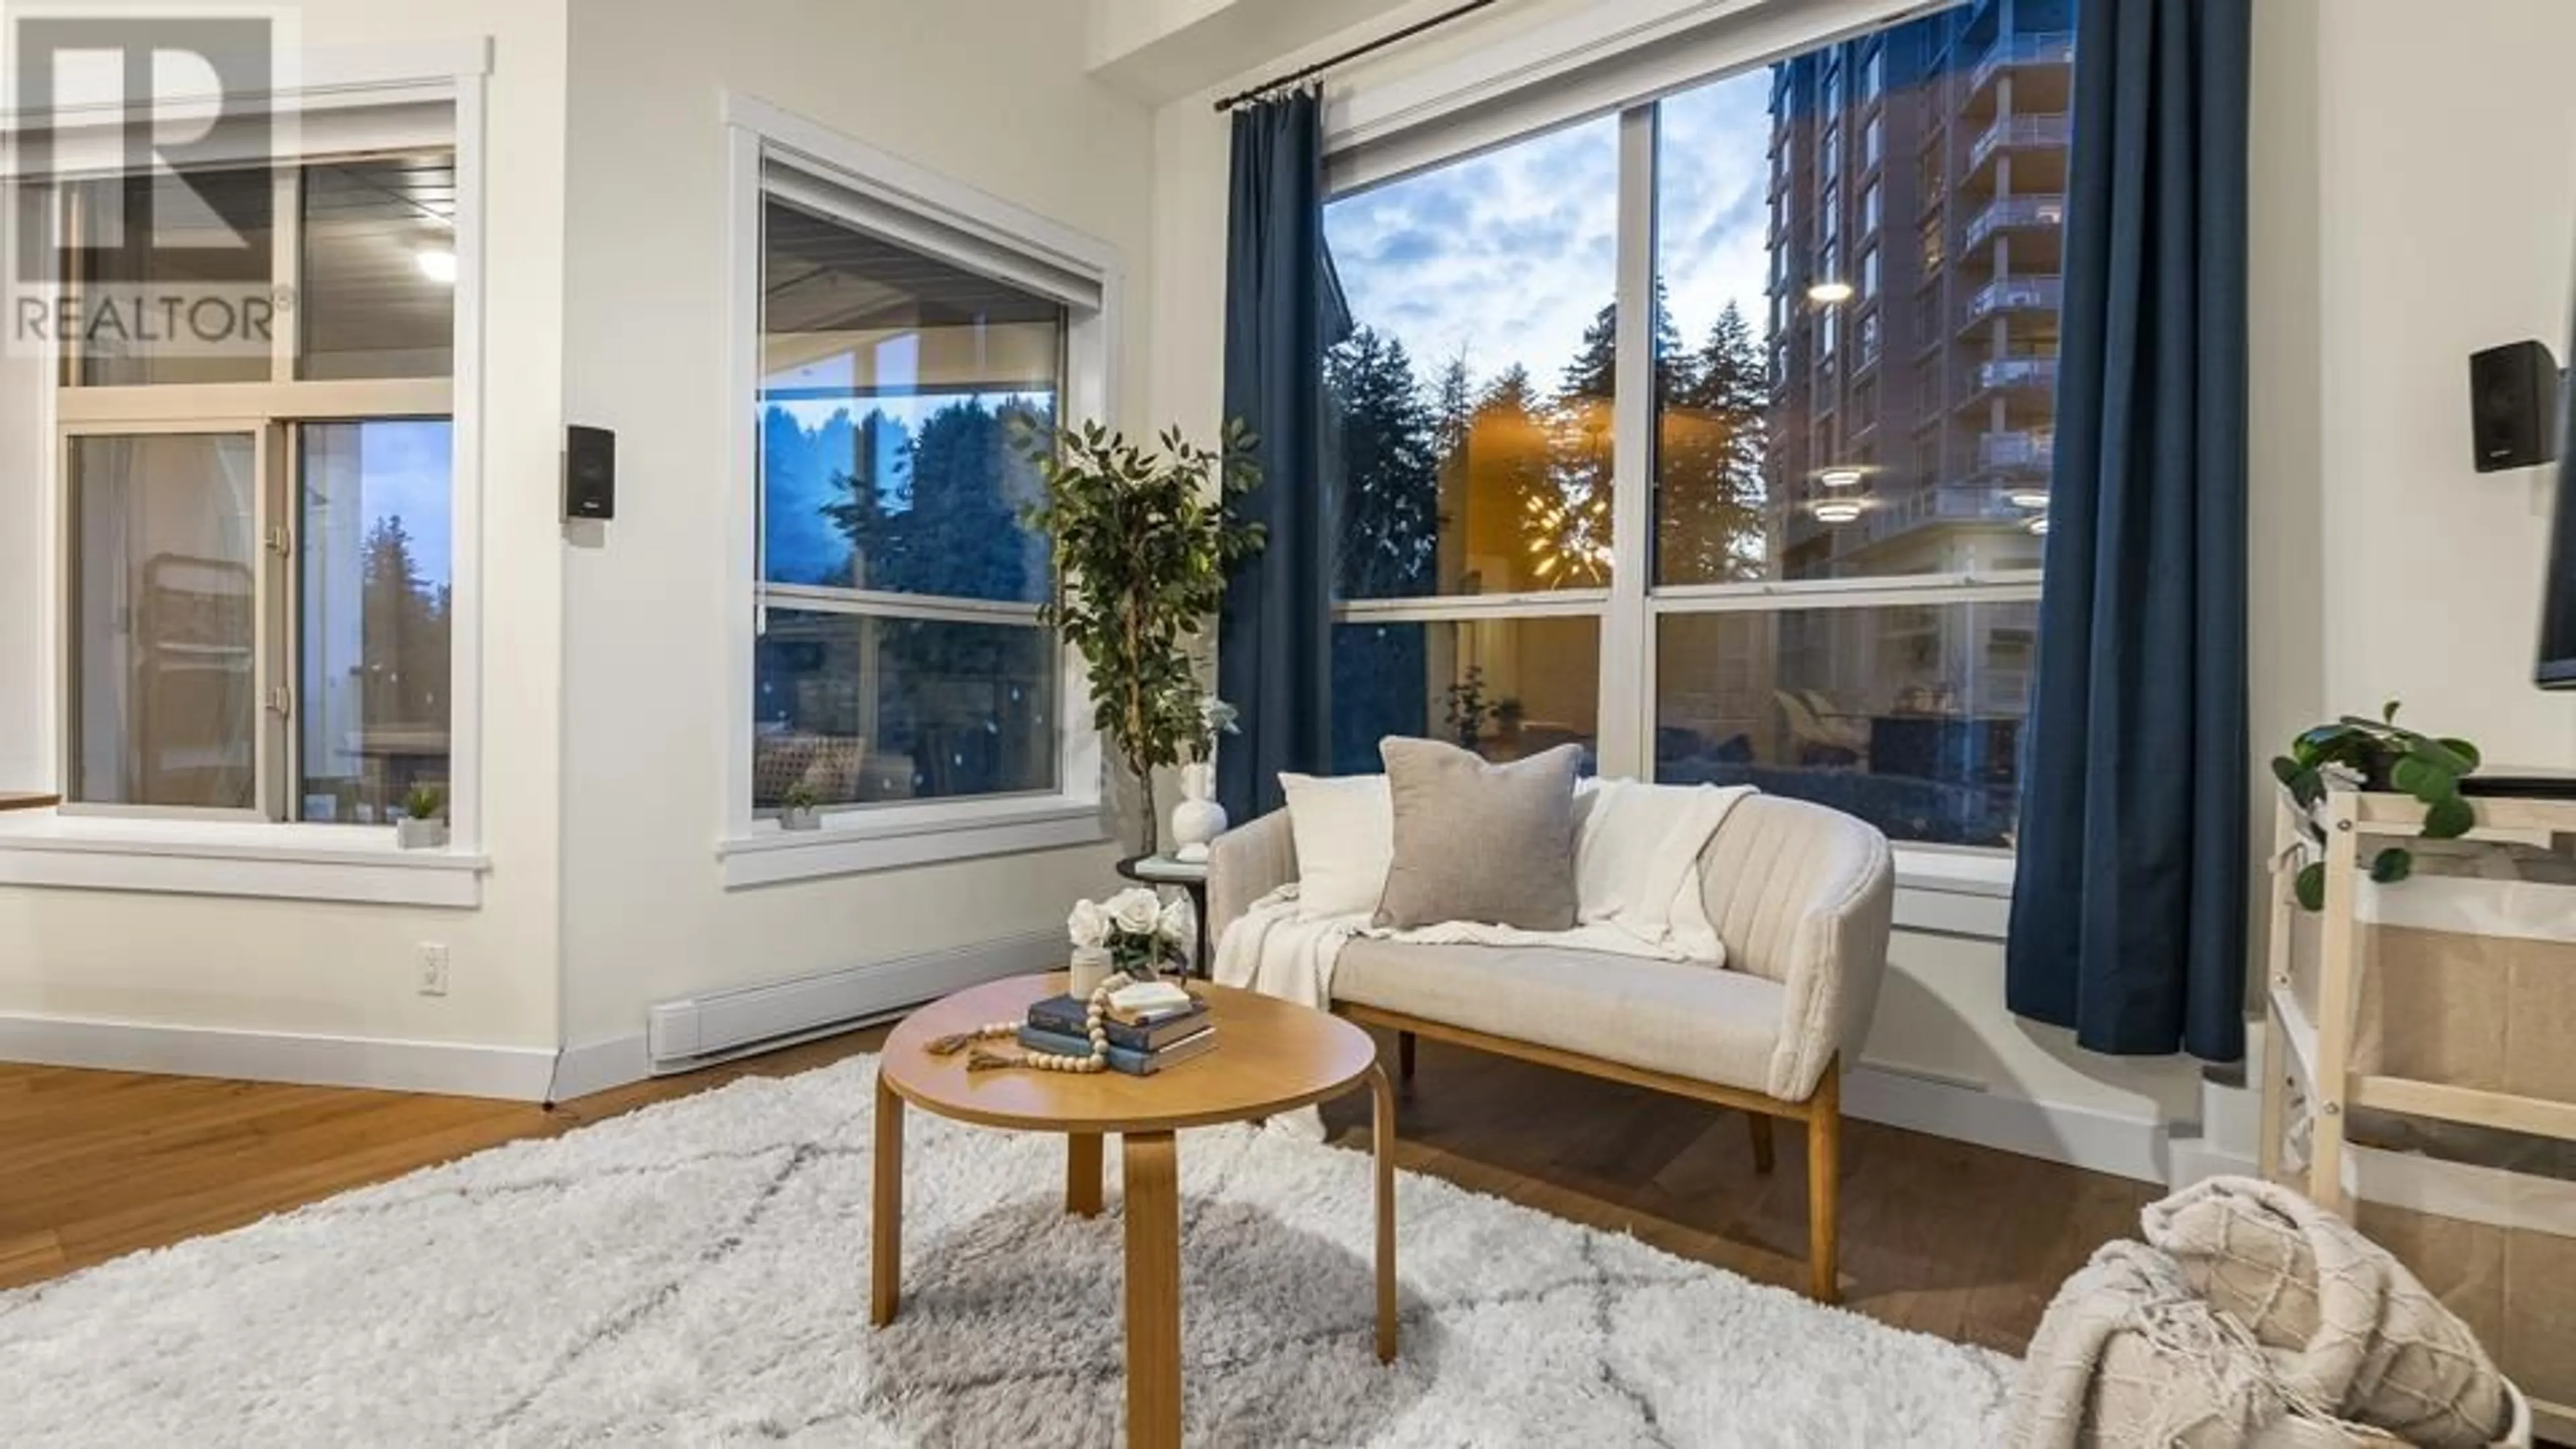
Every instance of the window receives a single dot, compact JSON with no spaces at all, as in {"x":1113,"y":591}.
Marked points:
{"x":900,"y":655}
{"x":1474,"y":485}
{"x":259,"y":520}
{"x":1891,"y":680}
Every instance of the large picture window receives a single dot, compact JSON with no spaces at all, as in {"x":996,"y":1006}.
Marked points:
{"x":257,"y":537}
{"x":1809,"y":557}
{"x":901,"y":657}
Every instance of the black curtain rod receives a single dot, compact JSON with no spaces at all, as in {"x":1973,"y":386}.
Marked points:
{"x":1355,"y":52}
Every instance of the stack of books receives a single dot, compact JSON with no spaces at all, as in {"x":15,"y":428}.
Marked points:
{"x":1148,"y":1029}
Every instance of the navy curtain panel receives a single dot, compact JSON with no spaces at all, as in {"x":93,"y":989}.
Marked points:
{"x":1275,"y":636}
{"x":2128,"y":912}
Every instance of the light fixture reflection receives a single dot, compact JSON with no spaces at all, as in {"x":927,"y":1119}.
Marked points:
{"x":2032,"y":498}
{"x":2038,"y":525}
{"x":438,"y":264}
{"x":1830,"y":293}
{"x":1840,"y":477}
{"x":1837,"y":510}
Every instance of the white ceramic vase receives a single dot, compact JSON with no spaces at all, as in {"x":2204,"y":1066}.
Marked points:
{"x":429,"y":833}
{"x":1198,"y":819}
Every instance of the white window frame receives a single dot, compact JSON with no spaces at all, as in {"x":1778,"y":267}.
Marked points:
{"x":967,"y":228}
{"x":1622,"y":56}
{"x":344,"y":99}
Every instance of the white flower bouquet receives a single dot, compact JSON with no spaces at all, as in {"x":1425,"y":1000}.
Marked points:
{"x":1142,"y":934}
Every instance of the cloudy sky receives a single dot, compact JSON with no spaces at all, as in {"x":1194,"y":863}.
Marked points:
{"x":1506,"y":256}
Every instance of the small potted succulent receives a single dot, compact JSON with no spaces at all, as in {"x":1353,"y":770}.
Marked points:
{"x":800,"y":808}
{"x":423,"y":825}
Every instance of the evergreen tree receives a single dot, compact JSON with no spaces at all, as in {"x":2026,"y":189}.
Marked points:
{"x":1389,"y":468}
{"x":1709,"y":519}
{"x":1503,"y":483}
{"x":403,"y":632}
{"x":1569,"y":532}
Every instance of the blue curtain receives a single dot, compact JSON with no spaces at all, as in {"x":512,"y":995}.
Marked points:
{"x":1274,"y":639}
{"x":2128,"y":915}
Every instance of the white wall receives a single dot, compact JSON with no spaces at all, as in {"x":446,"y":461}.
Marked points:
{"x":346,"y":970}
{"x":992,"y":94}
{"x":2414,"y":200}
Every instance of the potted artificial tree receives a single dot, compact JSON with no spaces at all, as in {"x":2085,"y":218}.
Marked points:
{"x":1143,"y":542}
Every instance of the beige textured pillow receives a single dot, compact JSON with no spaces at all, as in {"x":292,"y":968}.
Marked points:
{"x":1492,"y":844}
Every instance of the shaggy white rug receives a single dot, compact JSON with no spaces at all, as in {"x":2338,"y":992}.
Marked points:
{"x":697,"y":1274}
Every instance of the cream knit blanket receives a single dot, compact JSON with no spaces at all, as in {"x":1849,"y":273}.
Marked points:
{"x":2251,"y":1312}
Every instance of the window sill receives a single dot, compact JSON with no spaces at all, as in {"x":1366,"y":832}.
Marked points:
{"x":1954,"y":892}
{"x":856,"y":842}
{"x":228,"y":858}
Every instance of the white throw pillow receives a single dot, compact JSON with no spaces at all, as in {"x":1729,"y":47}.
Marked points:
{"x":1344,"y":826}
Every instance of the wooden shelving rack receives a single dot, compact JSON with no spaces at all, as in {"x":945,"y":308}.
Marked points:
{"x":2318,"y":1055}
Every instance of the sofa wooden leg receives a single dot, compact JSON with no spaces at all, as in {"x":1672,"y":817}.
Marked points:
{"x":1824,"y":1183}
{"x":1404,"y":1055}
{"x":1761,"y":1126}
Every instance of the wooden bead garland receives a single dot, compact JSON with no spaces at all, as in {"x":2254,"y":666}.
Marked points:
{"x":1095,"y":1019}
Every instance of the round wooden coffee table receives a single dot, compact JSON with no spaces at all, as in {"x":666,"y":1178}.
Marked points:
{"x":1271,"y":1057}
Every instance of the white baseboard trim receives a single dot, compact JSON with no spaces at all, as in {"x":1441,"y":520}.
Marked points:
{"x":2125,"y":1146}
{"x":460,"y":1069}
{"x":2195,"y":1160}
{"x":813,"y":1006}
{"x":599,"y":1065}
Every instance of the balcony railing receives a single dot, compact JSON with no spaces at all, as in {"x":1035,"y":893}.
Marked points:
{"x":2044,"y":210}
{"x":2011,"y":372}
{"x":2022,"y":451}
{"x":2016,"y":294}
{"x":2021,"y":133}
{"x":2049,"y":47}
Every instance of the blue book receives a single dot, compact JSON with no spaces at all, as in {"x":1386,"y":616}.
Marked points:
{"x":1121,"y":1059}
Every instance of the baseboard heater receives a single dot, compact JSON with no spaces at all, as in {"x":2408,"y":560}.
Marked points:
{"x":715,"y":1026}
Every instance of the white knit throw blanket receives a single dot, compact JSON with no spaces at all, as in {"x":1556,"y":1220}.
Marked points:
{"x":2250,"y":1312}
{"x":1637,"y":886}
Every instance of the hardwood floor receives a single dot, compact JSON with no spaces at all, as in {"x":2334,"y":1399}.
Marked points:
{"x":1939,"y":1236}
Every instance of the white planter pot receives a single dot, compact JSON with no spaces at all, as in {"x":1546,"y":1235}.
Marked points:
{"x":1090,"y":968}
{"x":800,"y":819}
{"x":1198,"y":819}
{"x":413,"y":834}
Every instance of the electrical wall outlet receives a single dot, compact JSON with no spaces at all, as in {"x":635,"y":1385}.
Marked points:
{"x":432,"y":962}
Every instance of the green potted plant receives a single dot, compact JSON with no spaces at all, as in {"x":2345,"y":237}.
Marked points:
{"x":423,"y":825}
{"x":800,"y":807}
{"x":1143,"y":541}
{"x":2379,"y":755}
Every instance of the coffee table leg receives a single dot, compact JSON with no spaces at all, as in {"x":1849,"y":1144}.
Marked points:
{"x":1153,"y":1181}
{"x":1382,"y":1093}
{"x":1082,"y":1174}
{"x":885,"y":1241}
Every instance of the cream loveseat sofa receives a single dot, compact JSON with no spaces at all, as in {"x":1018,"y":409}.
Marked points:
{"x":1799,"y":893}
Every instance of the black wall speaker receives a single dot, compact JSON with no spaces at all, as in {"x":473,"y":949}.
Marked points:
{"x":2513,"y":406}
{"x":590,"y":473}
